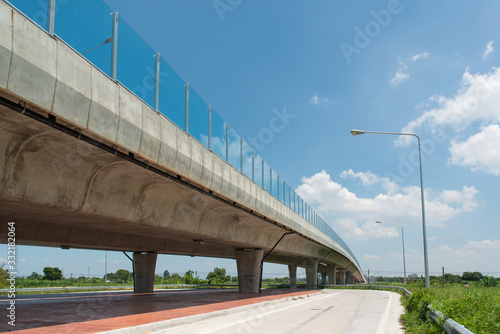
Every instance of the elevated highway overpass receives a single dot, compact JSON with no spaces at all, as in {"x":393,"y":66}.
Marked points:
{"x":87,"y":164}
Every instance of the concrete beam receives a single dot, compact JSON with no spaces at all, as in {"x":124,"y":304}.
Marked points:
{"x":5,"y":44}
{"x":144,"y":271}
{"x":248,"y":262}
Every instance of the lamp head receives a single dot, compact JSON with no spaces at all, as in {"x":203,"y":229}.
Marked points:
{"x":378,"y":222}
{"x":107,"y":40}
{"x":356,"y":132}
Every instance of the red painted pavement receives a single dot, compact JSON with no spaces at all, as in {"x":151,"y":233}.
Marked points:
{"x":102,"y":311}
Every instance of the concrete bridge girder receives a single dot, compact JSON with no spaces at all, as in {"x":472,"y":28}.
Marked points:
{"x":87,"y":197}
{"x":95,"y":182}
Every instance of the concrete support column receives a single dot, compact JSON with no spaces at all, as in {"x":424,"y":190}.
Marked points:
{"x":248,"y":262}
{"x":144,"y":271}
{"x":311,"y":266}
{"x":347,"y":277}
{"x":323,"y":278}
{"x":342,"y":275}
{"x":292,"y":273}
{"x":331,"y":271}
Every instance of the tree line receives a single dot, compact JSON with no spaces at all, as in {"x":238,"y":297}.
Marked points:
{"x":53,"y":276}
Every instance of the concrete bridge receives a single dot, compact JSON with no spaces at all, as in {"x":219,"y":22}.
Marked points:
{"x":87,"y":164}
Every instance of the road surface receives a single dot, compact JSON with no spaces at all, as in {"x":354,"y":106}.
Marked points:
{"x":333,"y":311}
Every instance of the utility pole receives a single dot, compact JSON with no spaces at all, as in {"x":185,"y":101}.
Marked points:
{"x":442,"y":284}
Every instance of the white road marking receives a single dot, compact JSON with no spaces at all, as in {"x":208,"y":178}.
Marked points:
{"x":383,"y":322}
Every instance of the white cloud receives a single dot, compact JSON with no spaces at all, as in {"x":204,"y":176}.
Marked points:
{"x":354,"y":217}
{"x":402,"y":73}
{"x":475,"y":256}
{"x":316,"y":100}
{"x":421,"y":55}
{"x":369,"y":178}
{"x":399,"y":77}
{"x":480,"y":151}
{"x":348,"y":229}
{"x":489,"y":49}
{"x":477,"y":100}
{"x":370,"y":257}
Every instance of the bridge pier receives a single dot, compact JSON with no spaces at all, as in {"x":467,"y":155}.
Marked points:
{"x":331,"y":271}
{"x":144,"y":271}
{"x":292,"y":273}
{"x":323,"y":278}
{"x":248,"y":263}
{"x":311,"y":266}
{"x":342,"y":274}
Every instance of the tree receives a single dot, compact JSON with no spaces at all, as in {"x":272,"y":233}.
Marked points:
{"x":35,"y":276}
{"x":488,"y":281}
{"x":472,"y":276}
{"x":4,"y":275}
{"x":123,"y":275}
{"x":218,"y":276}
{"x":450,"y":278}
{"x":166,"y":274}
{"x":52,"y":274}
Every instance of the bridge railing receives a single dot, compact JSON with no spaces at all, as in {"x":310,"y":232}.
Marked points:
{"x":117,"y":50}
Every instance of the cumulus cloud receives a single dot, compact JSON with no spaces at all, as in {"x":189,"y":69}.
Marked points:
{"x":489,"y":49}
{"x":476,"y":100}
{"x":354,"y":217}
{"x":369,"y":178}
{"x":480,"y":151}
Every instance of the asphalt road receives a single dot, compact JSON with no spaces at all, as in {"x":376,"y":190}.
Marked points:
{"x":334,"y":311}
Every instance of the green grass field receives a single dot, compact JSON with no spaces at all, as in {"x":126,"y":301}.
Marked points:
{"x":477,"y":307}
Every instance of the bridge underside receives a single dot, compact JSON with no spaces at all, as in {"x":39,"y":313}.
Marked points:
{"x":63,"y":191}
{"x":85,"y":163}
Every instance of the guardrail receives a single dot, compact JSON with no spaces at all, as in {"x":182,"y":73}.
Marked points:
{"x":449,"y":325}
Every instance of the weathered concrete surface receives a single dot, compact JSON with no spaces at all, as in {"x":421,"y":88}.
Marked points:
{"x":248,"y":262}
{"x":63,"y":191}
{"x":311,"y":266}
{"x":144,"y":271}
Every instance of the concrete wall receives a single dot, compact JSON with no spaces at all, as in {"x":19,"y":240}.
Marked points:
{"x":53,"y":78}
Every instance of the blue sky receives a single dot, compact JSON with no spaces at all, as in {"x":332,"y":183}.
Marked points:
{"x":428,"y":67}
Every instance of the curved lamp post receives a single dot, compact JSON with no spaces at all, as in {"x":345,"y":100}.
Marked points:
{"x":106,"y":41}
{"x":403,"y":238}
{"x":356,"y":132}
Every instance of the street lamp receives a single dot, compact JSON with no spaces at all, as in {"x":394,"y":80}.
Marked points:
{"x":403,"y":238}
{"x":356,"y":132}
{"x":106,"y":41}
